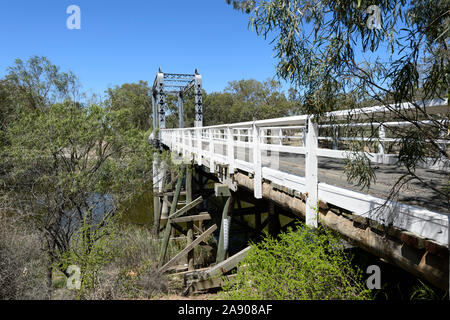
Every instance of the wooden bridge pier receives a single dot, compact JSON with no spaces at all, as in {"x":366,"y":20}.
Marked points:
{"x":190,"y":180}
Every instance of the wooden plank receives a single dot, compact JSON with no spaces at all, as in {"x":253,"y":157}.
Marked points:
{"x":168,"y":193}
{"x":186,"y":208}
{"x":186,"y":273}
{"x":188,"y":248}
{"x":199,"y":217}
{"x":226,"y":265}
{"x":202,"y":285}
{"x":198,"y":229}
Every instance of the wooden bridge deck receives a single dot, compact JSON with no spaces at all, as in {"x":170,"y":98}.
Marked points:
{"x":331,"y":171}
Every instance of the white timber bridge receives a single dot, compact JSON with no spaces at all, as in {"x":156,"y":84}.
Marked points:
{"x":298,"y":165}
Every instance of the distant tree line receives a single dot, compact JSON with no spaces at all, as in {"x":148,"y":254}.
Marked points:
{"x":242,"y":100}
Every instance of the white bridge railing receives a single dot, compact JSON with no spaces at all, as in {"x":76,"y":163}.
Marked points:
{"x":255,"y":147}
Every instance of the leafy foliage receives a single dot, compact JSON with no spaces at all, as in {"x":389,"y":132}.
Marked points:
{"x":68,"y":168}
{"x":328,"y":52}
{"x":133,"y":100}
{"x":424,"y":292}
{"x":300,"y":265}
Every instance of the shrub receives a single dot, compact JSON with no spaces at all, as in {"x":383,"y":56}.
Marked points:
{"x":300,"y":265}
{"x":22,"y":261}
{"x":122,"y":266}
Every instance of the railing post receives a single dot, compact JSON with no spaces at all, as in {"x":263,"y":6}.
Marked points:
{"x":381,"y":135}
{"x":230,"y":151}
{"x":335,"y":137}
{"x":257,"y":178}
{"x":267,"y":133}
{"x":311,"y":170}
{"x":172,"y":139}
{"x":247,"y":149}
{"x":281,"y":136}
{"x":304,"y":134}
{"x":190,"y":144}
{"x":442,"y":135}
{"x":199,"y":146}
{"x":183,"y":143}
{"x":211,"y":150}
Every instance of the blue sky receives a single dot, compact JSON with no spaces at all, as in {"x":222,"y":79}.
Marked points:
{"x":126,"y":41}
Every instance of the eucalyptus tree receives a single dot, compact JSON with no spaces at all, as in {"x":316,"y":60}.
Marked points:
{"x":69,"y":168}
{"x":369,"y":52}
{"x":133,"y":99}
{"x":72,"y":168}
{"x":37,"y":83}
{"x":33,"y":85}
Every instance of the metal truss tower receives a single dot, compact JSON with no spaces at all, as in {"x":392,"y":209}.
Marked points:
{"x":178,"y":85}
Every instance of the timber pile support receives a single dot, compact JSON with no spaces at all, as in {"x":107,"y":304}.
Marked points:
{"x":187,"y":213}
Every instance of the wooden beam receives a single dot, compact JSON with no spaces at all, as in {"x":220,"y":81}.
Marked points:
{"x":168,"y":193}
{"x":243,"y":224}
{"x":168,"y":230}
{"x":190,"y":223}
{"x":264,"y":224}
{"x":274,"y":222}
{"x":181,"y":254}
{"x":186,"y":273}
{"x":186,"y":208}
{"x":226,"y":265}
{"x":202,"y":285}
{"x":199,"y":230}
{"x":257,"y":221}
{"x":198,"y":217}
{"x":245,"y":211}
{"x":179,"y":229}
{"x":246,"y":196}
